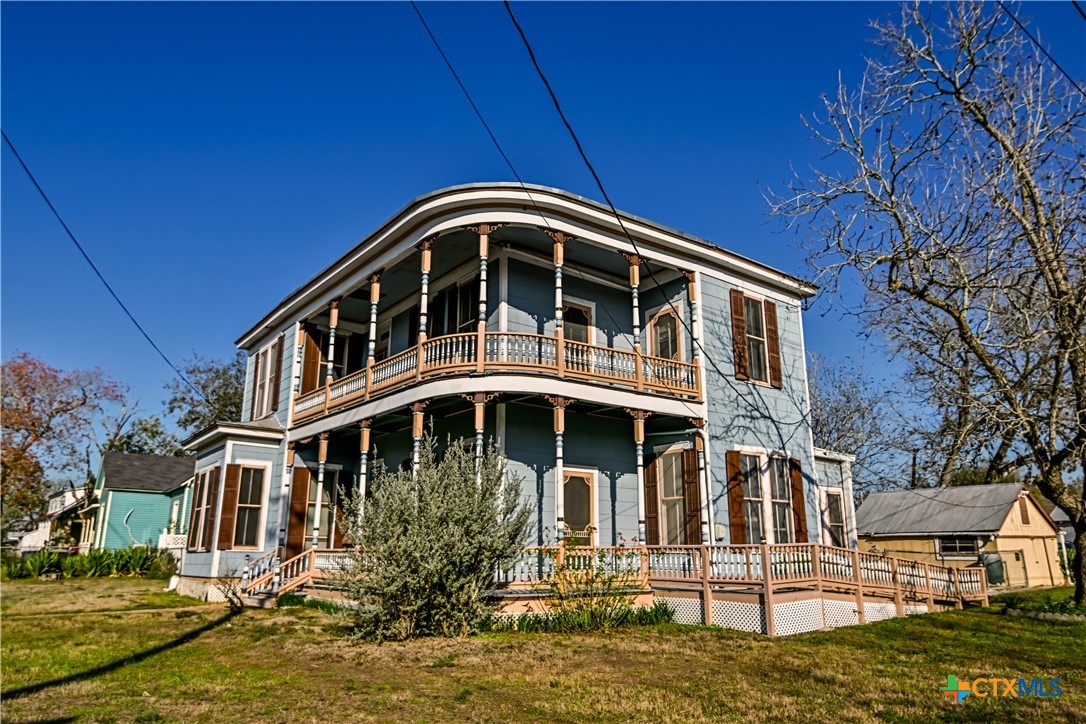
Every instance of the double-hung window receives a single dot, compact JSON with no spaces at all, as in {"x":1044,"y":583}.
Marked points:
{"x":835,"y":519}
{"x":250,"y":502}
{"x":266,"y":378}
{"x":765,"y":499}
{"x":752,"y":499}
{"x":781,"y":491}
{"x":756,"y":339}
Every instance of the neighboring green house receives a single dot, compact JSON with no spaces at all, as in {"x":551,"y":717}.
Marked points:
{"x":137,"y":498}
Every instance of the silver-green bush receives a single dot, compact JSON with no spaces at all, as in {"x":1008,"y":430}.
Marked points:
{"x":427,"y":546}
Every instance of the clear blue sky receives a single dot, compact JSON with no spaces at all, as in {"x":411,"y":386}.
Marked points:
{"x":212,"y":157}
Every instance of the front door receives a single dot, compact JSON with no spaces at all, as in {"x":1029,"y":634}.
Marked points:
{"x":580,"y":507}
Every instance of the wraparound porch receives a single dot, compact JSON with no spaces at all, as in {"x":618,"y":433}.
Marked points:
{"x":771,"y":589}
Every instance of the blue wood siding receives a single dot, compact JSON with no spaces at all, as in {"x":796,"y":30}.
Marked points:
{"x":135,"y":518}
{"x":744,"y":413}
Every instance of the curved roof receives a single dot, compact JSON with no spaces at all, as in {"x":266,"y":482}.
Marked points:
{"x":724,"y":257}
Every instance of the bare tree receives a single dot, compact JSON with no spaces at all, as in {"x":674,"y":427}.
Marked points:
{"x":854,"y":414}
{"x":954,"y":191}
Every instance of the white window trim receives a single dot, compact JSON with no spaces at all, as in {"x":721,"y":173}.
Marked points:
{"x":204,"y":490}
{"x":263,"y":375}
{"x":957,"y":556}
{"x":592,"y":473}
{"x":824,"y":502}
{"x":680,"y":338}
{"x":767,"y":491}
{"x":587,"y":304}
{"x":265,"y":500}
{"x":677,"y":448}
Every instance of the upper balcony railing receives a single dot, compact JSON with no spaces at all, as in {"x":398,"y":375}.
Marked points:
{"x":505,"y":352}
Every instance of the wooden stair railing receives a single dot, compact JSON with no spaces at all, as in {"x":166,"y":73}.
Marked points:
{"x":259,"y":573}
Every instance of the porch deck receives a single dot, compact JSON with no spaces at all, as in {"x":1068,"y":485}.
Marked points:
{"x":504,"y":352}
{"x":771,"y":589}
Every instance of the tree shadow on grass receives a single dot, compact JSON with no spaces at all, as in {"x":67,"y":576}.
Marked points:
{"x":120,"y":663}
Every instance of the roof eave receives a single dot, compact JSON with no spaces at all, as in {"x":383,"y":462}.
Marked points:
{"x":800,"y":287}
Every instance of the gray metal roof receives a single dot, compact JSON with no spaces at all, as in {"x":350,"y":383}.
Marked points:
{"x":927,"y":511}
{"x":152,"y":473}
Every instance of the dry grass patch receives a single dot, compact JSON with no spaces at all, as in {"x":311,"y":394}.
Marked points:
{"x":294,"y":665}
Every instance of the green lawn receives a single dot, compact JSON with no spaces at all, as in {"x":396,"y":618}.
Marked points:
{"x":202,"y":664}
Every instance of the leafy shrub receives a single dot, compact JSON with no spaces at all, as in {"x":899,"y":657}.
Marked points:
{"x":43,"y":563}
{"x":13,"y":569}
{"x":74,"y":566}
{"x":98,"y":563}
{"x":289,"y":599}
{"x":163,"y":565}
{"x":569,"y":620}
{"x":593,"y":589}
{"x":139,"y":561}
{"x":428,"y":545}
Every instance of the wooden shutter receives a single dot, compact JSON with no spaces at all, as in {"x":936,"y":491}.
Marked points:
{"x":799,"y":506}
{"x":341,"y":527}
{"x":739,"y":336}
{"x":277,"y":374}
{"x":311,"y":360}
{"x":652,"y":504}
{"x":228,"y":518}
{"x":1023,"y":508}
{"x":691,"y":497}
{"x":299,"y":503}
{"x":773,"y":344}
{"x":737,"y":522}
{"x":209,"y":514}
{"x":197,"y":491}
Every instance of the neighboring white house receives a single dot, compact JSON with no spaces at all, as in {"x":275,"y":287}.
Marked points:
{"x":63,"y":510}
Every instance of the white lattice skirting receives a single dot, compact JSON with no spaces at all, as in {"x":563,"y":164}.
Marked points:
{"x":687,"y":610}
{"x":740,"y":616}
{"x":798,"y":616}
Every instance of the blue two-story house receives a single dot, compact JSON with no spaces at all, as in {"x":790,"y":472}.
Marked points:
{"x":653,"y":391}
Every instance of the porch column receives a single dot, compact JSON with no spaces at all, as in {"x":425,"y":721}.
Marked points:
{"x":560,"y":404}
{"x":322,"y":458}
{"x":695,"y":326}
{"x":480,"y":400}
{"x":363,"y":461}
{"x":560,"y":238}
{"x":285,"y":515}
{"x":425,"y":246}
{"x":703,"y":480}
{"x":333,"y":322}
{"x":639,"y":417}
{"x":484,"y":231}
{"x":635,"y":282}
{"x":371,"y":352}
{"x":416,"y":434}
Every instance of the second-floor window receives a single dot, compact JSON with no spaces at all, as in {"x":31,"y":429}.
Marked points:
{"x":455,"y":309}
{"x":577,"y":323}
{"x":664,"y":331}
{"x":756,"y":339}
{"x":266,"y":369}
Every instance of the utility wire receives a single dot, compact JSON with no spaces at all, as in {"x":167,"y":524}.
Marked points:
{"x":508,"y":162}
{"x":98,"y":273}
{"x":1040,"y":47}
{"x":1079,"y":8}
{"x":618,"y":216}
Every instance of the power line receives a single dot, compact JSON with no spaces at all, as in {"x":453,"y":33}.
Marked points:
{"x":1040,"y":47}
{"x":618,"y":216}
{"x":508,"y":162}
{"x":98,"y":273}
{"x":1079,"y":8}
